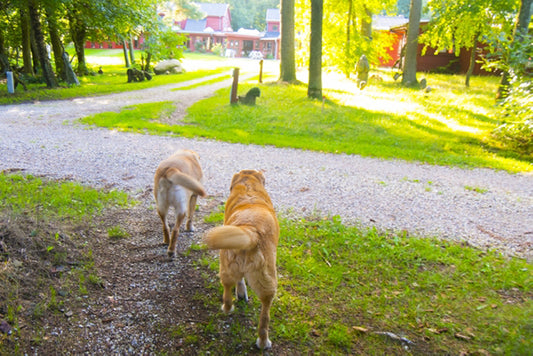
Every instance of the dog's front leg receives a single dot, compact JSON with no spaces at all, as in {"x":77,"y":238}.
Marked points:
{"x":242,"y":293}
{"x":174,"y":237}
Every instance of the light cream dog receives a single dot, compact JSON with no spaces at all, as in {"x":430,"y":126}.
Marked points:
{"x":177,"y":183}
{"x":248,"y":242}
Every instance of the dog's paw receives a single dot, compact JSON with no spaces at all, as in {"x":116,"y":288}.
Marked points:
{"x":267,"y":344}
{"x":227,"y":311}
{"x":171,"y":254}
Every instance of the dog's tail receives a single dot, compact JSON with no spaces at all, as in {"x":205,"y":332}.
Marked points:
{"x":186,"y":181}
{"x":229,"y":237}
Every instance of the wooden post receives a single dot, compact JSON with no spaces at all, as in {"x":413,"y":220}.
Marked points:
{"x":10,"y":82}
{"x":261,"y":71}
{"x":234,"y":86}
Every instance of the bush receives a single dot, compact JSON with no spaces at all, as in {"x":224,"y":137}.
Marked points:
{"x":217,"y":49}
{"x":517,"y":136}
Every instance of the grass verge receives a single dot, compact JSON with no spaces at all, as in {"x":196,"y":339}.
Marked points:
{"x":43,"y":253}
{"x":343,"y":290}
{"x":114,"y":80}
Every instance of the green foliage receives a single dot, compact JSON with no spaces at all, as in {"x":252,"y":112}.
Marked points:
{"x":164,"y":43}
{"x":460,"y":24}
{"x":514,"y":58}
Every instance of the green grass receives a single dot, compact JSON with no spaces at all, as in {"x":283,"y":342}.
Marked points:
{"x":59,"y":200}
{"x":340,"y":286}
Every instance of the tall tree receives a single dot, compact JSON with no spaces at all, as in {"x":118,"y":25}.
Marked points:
{"x":26,"y":40}
{"x":411,"y":47}
{"x":48,"y":73}
{"x":314,"y":88}
{"x":287,"y":50}
{"x":78,"y":34}
{"x":55,"y":39}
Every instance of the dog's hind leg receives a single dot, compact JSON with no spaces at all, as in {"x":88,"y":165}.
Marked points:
{"x":166,"y":234}
{"x":227,"y":298}
{"x":242,"y":293}
{"x":263,"y":342}
{"x":190,"y":212}
{"x":174,"y":237}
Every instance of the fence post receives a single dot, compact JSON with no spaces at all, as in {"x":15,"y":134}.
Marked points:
{"x":10,"y":82}
{"x":234,"y":86}
{"x":261,"y":71}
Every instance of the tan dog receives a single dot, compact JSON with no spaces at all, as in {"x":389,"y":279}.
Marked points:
{"x":177,"y":183}
{"x":248,"y":243}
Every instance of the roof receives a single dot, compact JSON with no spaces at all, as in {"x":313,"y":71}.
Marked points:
{"x":216,"y":10}
{"x":195,"y":25}
{"x":385,"y":23}
{"x":273,"y":15}
{"x":271,"y":35}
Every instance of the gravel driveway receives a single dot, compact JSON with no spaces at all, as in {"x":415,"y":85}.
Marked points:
{"x":44,"y":138}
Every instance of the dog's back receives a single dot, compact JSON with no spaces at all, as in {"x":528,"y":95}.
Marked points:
{"x":177,"y":183}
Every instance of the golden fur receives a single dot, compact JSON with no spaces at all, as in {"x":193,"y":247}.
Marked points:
{"x":248,"y":243}
{"x":177,"y":183}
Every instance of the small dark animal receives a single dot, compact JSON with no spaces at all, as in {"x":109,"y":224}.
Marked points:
{"x":100,"y":71}
{"x":249,"y":98}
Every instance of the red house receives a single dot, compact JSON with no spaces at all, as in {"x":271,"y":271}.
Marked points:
{"x":432,"y":60}
{"x":215,"y":28}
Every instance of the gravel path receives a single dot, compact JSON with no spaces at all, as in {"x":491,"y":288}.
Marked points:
{"x":44,"y":138}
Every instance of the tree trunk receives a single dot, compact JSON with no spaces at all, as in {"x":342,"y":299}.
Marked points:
{"x":366,"y":24}
{"x":472,"y":63}
{"x":125,"y":51}
{"x":48,"y":73}
{"x":148,"y":60}
{"x":287,"y":62}
{"x":26,"y":42}
{"x":132,"y":56}
{"x":521,"y":29}
{"x":57,"y":46}
{"x":4,"y":62}
{"x":34,"y":52}
{"x":314,"y":88}
{"x":411,"y":49}
{"x":78,"y":32}
{"x":348,"y":63}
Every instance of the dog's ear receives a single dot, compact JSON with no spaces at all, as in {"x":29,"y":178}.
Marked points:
{"x":259,"y":174}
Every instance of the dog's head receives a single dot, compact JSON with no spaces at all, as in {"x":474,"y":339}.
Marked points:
{"x":248,"y":176}
{"x":254,"y":92}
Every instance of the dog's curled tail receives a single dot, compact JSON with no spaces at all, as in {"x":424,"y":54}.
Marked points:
{"x":229,"y":237}
{"x":186,"y":181}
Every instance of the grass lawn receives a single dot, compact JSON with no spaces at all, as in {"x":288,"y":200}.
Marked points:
{"x":451,"y":125}
{"x":343,"y":290}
